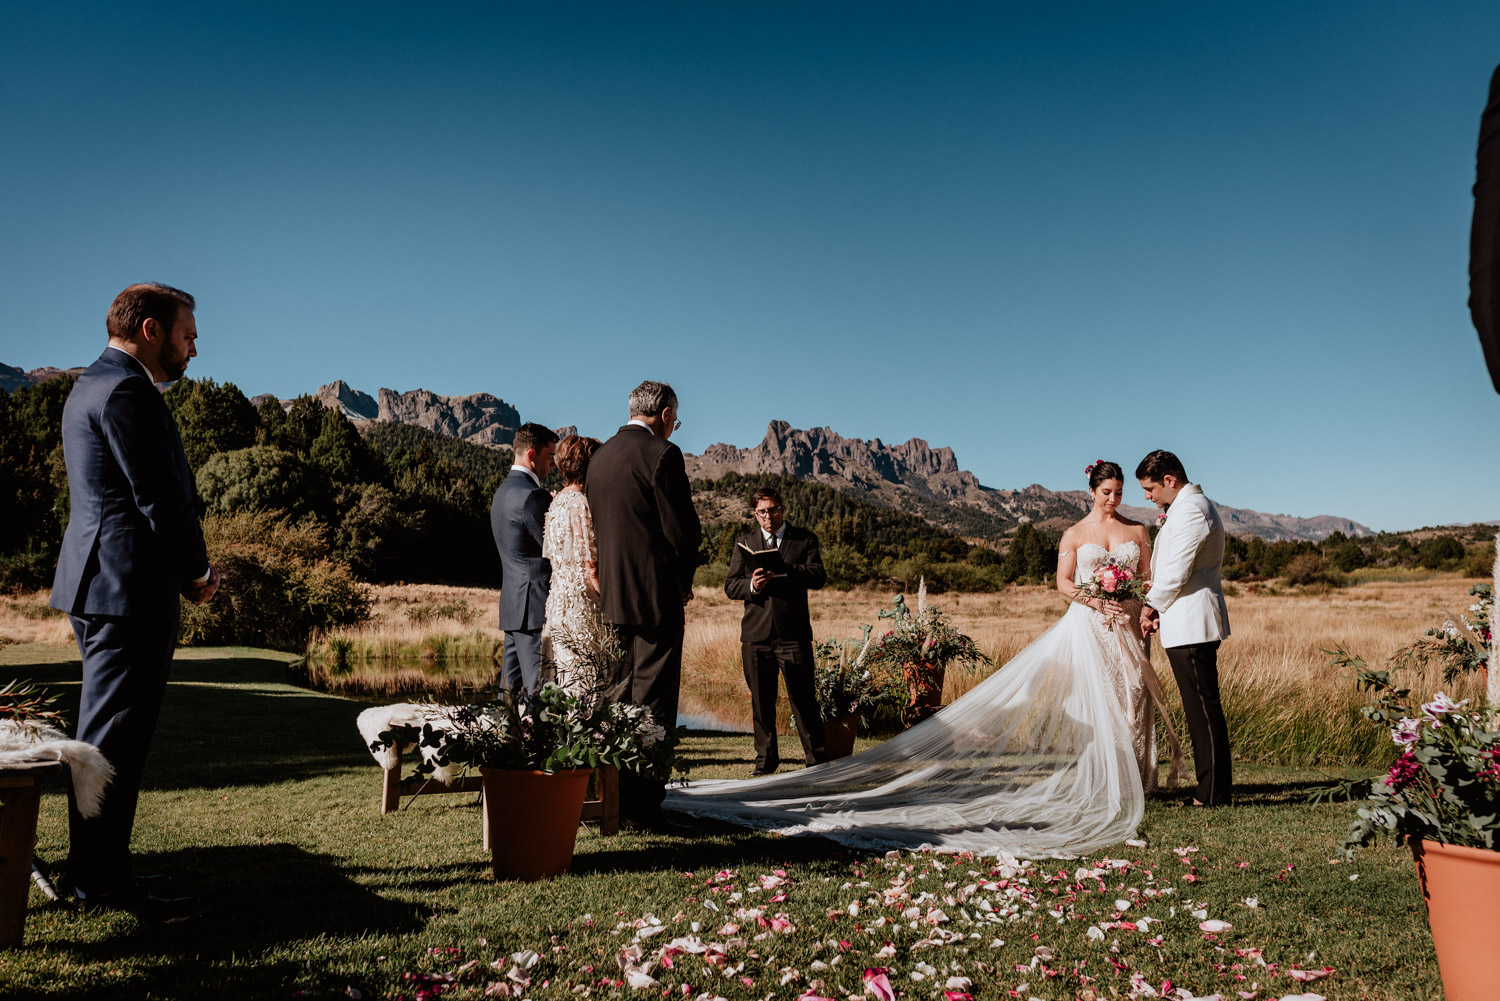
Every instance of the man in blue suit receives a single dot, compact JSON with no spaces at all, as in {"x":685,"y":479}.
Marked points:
{"x":516,"y":516}
{"x":133,"y":544}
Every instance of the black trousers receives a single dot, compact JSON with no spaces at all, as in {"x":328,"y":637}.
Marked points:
{"x":652,"y":678}
{"x":793,"y":660}
{"x":1196,"y":668}
{"x":125,"y":667}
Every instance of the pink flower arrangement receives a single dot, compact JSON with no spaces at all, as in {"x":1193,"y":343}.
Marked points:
{"x":1115,"y":581}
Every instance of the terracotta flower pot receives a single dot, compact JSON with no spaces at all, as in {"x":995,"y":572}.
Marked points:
{"x":531,"y":820}
{"x":1462,"y":889}
{"x":838,"y":736}
{"x":924,"y":686}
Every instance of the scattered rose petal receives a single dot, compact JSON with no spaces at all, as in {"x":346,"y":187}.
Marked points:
{"x":1214,"y":926}
{"x":1307,"y":975}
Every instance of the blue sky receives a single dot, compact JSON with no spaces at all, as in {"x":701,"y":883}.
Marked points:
{"x":1039,"y":234}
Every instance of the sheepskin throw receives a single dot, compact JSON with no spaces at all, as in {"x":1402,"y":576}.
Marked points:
{"x":374,"y":722}
{"x":34,"y":743}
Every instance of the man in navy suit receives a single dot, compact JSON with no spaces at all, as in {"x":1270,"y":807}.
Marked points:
{"x":133,"y":545}
{"x":516,"y":516}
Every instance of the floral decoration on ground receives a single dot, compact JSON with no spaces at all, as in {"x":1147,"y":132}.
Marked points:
{"x":911,"y":925}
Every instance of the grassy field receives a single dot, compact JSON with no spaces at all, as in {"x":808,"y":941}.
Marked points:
{"x":1285,"y":705}
{"x":260,"y":798}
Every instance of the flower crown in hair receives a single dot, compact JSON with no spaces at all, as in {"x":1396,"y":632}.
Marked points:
{"x":1089,"y":469}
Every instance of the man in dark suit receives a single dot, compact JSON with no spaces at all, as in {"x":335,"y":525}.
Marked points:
{"x":1484,"y":236}
{"x":648,"y":534}
{"x":133,"y":545}
{"x":516,"y":516}
{"x":776,"y":632}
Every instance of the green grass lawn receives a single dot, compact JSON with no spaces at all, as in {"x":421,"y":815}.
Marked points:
{"x":261,"y":798}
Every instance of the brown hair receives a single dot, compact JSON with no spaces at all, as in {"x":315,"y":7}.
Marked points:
{"x":1158,"y":464}
{"x":532,"y":436}
{"x":765,"y":493}
{"x":139,"y":303}
{"x":572,"y":457}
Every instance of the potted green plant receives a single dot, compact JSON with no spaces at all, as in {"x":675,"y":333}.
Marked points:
{"x":921,"y":646}
{"x":848,"y":692}
{"x":535,"y":752}
{"x":1441,"y":797}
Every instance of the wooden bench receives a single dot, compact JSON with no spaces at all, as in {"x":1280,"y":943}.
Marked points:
{"x":20,"y":799}
{"x":601,"y":805}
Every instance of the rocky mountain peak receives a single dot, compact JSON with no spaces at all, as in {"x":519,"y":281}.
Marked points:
{"x":480,"y":418}
{"x":339,"y":395}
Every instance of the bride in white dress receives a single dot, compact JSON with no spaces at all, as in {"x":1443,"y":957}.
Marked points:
{"x":573,"y":627}
{"x":1052,"y":755}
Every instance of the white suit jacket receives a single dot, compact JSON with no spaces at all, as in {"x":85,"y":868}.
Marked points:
{"x":1185,"y":584}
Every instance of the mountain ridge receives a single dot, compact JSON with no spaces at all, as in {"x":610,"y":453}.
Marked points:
{"x":920,"y":479}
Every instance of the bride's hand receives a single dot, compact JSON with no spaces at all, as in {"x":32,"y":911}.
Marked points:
{"x":1110,"y":609}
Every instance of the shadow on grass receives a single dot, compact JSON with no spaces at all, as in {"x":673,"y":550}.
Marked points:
{"x":715,"y":846}
{"x":233,"y":720}
{"x":258,"y":898}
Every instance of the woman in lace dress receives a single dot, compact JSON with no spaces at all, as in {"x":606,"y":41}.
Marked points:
{"x":1050,"y":755}
{"x":573,"y":623}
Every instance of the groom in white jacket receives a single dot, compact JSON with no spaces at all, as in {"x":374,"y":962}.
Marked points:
{"x":1186,"y":606}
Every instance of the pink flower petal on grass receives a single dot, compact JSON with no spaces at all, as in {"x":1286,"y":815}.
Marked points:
{"x":1306,"y":975}
{"x":1214,"y":926}
{"x":880,"y":984}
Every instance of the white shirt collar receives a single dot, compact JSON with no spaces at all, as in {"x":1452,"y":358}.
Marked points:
{"x":640,"y":423}
{"x":779,"y":534}
{"x":133,"y":360}
{"x":531,"y":473}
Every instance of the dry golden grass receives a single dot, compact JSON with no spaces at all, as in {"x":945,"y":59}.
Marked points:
{"x":1284,"y":703}
{"x":25,"y":618}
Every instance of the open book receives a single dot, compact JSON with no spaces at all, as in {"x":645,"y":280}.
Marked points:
{"x":764,"y":559}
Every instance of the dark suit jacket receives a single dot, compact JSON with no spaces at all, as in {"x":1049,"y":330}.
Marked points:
{"x":133,"y":540}
{"x":516,"y":515}
{"x":780,"y":611}
{"x":646,"y":526}
{"x":1484,"y":237}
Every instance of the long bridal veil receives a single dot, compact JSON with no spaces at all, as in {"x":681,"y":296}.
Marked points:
{"x":1035,"y":761}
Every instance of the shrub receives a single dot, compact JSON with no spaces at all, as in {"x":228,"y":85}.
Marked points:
{"x":1306,"y":568}
{"x":259,"y":478}
{"x":1480,"y":561}
{"x":711,"y":575}
{"x":436,"y":611}
{"x":278,"y":584}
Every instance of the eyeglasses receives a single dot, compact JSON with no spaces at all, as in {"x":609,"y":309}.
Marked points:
{"x":766,"y":512}
{"x":677,"y":425}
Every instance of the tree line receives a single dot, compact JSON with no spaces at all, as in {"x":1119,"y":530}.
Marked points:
{"x":395,"y":502}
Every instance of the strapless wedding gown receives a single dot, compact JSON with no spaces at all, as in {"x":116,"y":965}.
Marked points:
{"x":1052,"y":755}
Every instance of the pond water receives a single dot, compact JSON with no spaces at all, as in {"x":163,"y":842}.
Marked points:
{"x":415,"y":680}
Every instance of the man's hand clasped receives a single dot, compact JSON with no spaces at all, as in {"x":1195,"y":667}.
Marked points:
{"x":199,"y":593}
{"x":1150,"y":620}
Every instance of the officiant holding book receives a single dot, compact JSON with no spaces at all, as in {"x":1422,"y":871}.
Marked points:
{"x":773,"y":567}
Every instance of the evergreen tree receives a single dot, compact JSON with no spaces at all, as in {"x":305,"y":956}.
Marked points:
{"x":211,"y":418}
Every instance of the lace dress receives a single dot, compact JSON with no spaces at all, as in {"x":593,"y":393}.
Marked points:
{"x":1049,"y":756}
{"x":573,"y":623}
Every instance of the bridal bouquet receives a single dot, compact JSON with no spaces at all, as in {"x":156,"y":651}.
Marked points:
{"x":1113,"y":581}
